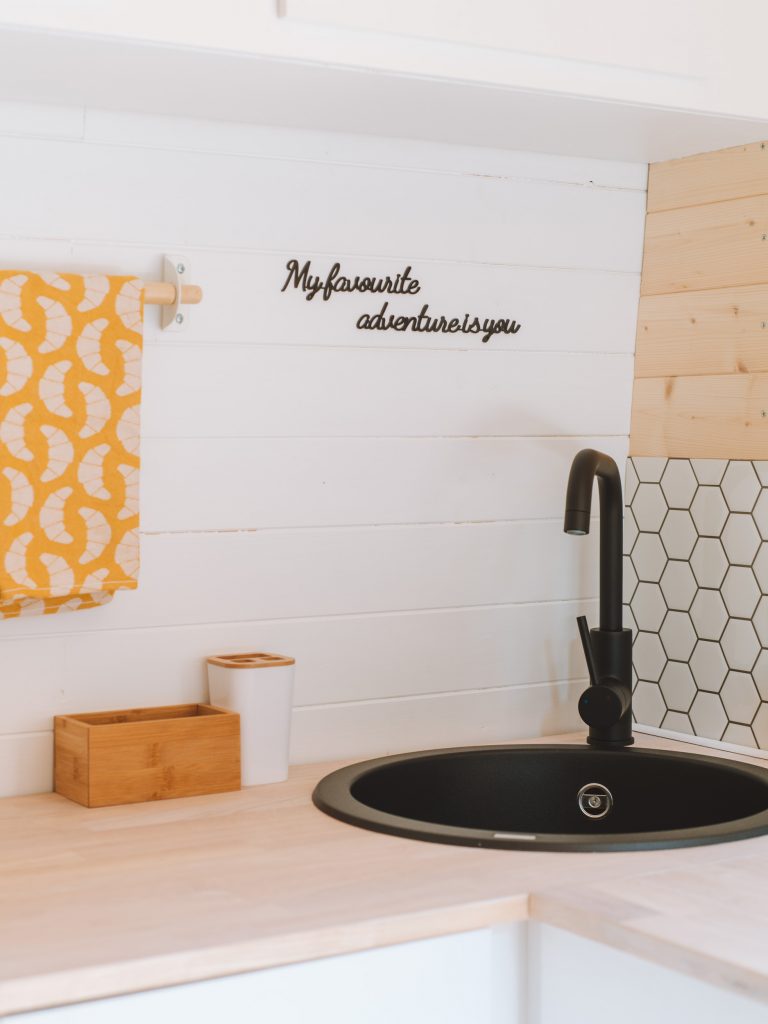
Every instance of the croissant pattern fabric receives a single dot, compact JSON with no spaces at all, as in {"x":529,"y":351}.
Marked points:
{"x":70,"y":387}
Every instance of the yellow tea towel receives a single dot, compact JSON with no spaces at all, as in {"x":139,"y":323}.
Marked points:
{"x":70,"y":385}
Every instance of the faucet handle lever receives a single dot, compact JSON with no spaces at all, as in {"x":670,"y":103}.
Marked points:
{"x":589,"y":653}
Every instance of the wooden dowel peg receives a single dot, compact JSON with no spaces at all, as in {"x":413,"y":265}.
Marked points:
{"x":162,"y":293}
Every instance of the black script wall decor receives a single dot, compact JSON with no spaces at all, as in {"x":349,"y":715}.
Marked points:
{"x":333,"y":282}
{"x":301,"y":278}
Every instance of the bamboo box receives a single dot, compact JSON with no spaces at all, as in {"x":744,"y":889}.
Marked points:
{"x":125,"y":757}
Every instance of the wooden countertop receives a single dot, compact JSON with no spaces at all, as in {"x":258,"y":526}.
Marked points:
{"x":106,"y":901}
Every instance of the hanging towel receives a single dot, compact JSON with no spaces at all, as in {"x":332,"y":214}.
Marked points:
{"x":70,"y":385}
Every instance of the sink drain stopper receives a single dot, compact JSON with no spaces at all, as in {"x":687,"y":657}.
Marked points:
{"x":595,"y":800}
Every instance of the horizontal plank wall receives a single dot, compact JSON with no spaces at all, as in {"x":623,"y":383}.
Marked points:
{"x":701,"y":387}
{"x":385,"y":507}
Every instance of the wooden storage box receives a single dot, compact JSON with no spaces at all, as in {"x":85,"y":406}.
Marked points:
{"x":125,"y":757}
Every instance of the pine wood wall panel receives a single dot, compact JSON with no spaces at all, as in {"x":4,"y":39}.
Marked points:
{"x":701,"y":363}
{"x":708,"y":177}
{"x":717,"y":245}
{"x":708,"y":417}
{"x":724,"y":330}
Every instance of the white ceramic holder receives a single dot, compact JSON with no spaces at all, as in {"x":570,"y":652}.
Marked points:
{"x":260,"y":688}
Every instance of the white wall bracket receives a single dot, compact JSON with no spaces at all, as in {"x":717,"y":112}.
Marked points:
{"x":175,"y":272}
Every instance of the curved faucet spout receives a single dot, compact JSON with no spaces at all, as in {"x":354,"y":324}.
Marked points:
{"x":587,"y":465}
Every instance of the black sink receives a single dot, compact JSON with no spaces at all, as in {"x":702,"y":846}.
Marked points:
{"x":547,"y":797}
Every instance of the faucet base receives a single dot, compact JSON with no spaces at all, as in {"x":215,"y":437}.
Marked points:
{"x":609,"y":744}
{"x":613,"y":656}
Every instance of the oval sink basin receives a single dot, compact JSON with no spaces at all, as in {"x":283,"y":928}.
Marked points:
{"x":548,"y":797}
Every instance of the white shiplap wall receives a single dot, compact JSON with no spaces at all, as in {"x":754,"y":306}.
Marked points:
{"x":386,"y":507}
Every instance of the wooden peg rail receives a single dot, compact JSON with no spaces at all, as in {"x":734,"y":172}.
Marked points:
{"x":162,"y":293}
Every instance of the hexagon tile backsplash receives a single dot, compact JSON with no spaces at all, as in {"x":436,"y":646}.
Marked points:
{"x":696,"y":594}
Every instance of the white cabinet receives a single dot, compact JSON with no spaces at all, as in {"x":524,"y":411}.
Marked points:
{"x":577,"y":981}
{"x":652,"y":36}
{"x":516,"y":974}
{"x":472,"y":978}
{"x":641,"y":82}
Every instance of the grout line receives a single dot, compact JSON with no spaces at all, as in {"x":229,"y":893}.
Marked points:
{"x":710,"y":202}
{"x":522,"y":438}
{"x":355,"y":164}
{"x":26,"y":732}
{"x":182,"y":345}
{"x":333,"y":617}
{"x":13,"y":136}
{"x":241,"y":250}
{"x":525,"y":521}
{"x":382,"y":437}
{"x":695,"y":291}
{"x":437,"y":694}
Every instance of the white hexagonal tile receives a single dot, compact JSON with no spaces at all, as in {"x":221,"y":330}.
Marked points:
{"x":709,"y":511}
{"x":740,"y":735}
{"x":760,"y":674}
{"x":760,"y":568}
{"x":740,"y":591}
{"x":648,"y":704}
{"x":649,"y":507}
{"x":708,"y":562}
{"x":740,"y":539}
{"x":708,"y":614}
{"x":760,"y":514}
{"x":678,"y":534}
{"x":630,"y":531}
{"x":709,"y":471}
{"x":648,"y":607}
{"x":760,"y":621}
{"x":648,"y":657}
{"x":676,"y":721}
{"x":678,"y":636}
{"x":708,"y":716}
{"x":677,"y":686}
{"x":739,"y":696}
{"x":629,"y":580}
{"x":740,"y":644}
{"x":678,"y":483}
{"x":678,"y":585}
{"x":630,"y":482}
{"x":649,"y":470}
{"x":708,"y":665}
{"x":649,"y":557}
{"x":761,"y":468}
{"x":629,"y":619}
{"x":740,"y":486}
{"x":760,"y":726}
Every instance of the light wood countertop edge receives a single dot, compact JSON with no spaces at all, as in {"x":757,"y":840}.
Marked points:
{"x":106,"y":980}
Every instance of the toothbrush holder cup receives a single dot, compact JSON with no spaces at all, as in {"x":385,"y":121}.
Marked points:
{"x":259,"y":687}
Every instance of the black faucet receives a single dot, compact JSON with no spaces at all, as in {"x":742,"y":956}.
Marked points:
{"x":606,"y":704}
